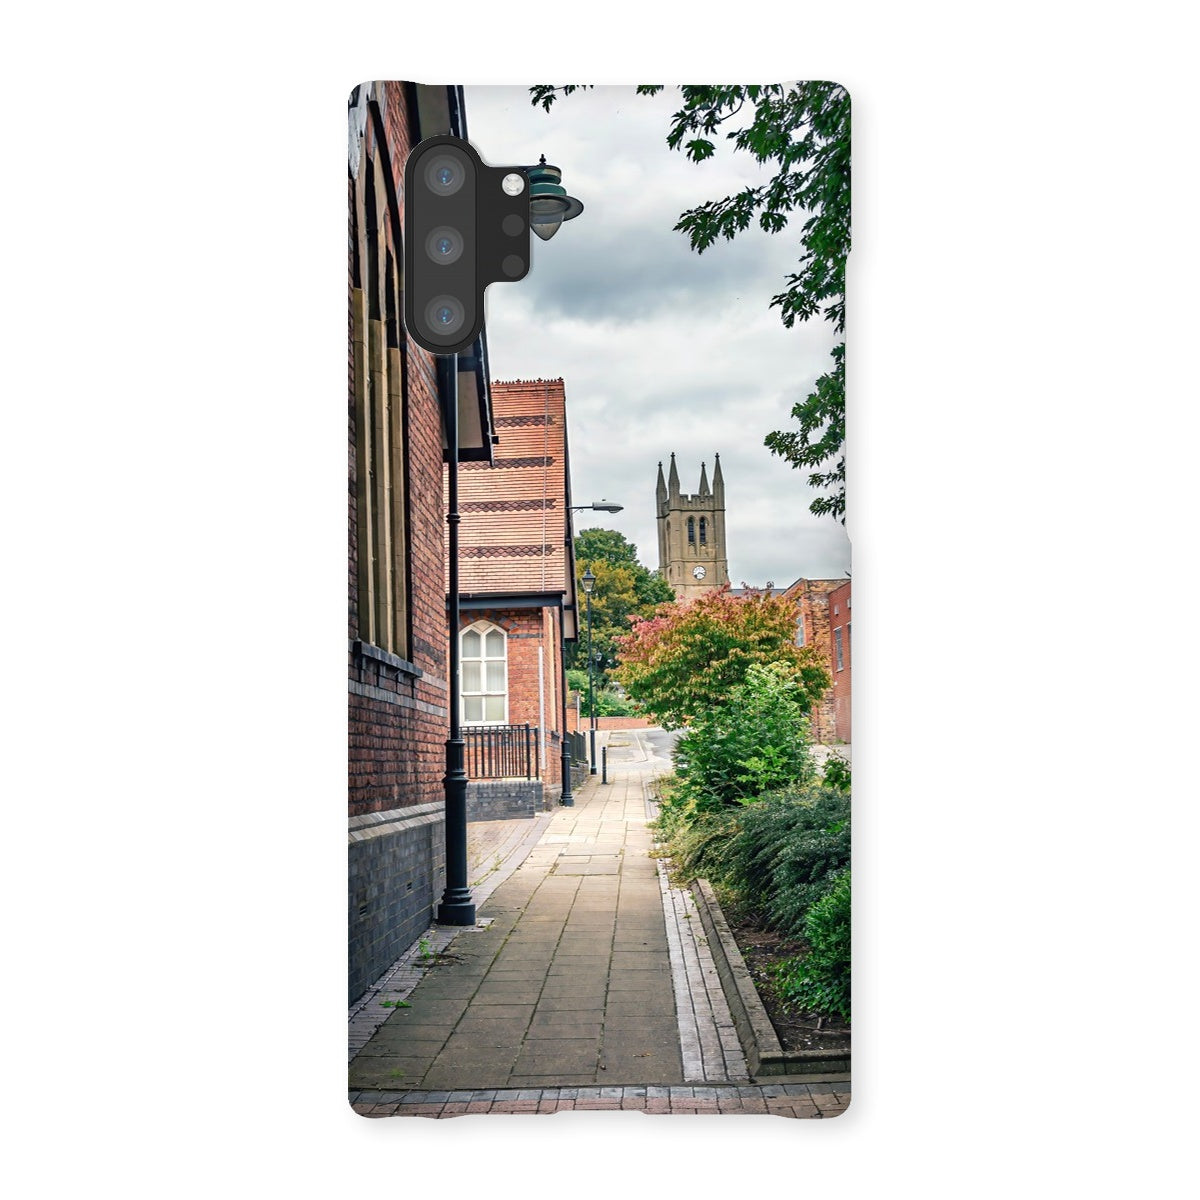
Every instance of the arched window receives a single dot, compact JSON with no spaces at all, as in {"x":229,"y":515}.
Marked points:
{"x":380,"y":537}
{"x":484,"y":675}
{"x":691,"y":531}
{"x":704,"y":531}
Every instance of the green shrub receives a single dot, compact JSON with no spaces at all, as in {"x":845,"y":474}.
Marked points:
{"x":819,"y":981}
{"x":779,"y":855}
{"x":609,"y":703}
{"x":752,"y":742}
{"x":837,"y":773}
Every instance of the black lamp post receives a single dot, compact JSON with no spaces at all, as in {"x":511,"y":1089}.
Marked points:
{"x":568,"y":800}
{"x":589,"y":581}
{"x":549,"y":207}
{"x":457,"y":906}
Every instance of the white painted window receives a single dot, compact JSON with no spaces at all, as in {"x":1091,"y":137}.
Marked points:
{"x":484,"y":675}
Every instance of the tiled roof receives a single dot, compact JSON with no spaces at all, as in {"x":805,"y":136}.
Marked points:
{"x":514,"y":514}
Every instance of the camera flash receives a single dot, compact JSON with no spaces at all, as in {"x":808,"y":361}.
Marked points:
{"x":513,"y":184}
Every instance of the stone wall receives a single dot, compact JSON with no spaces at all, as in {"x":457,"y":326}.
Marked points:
{"x":503,"y":799}
{"x":397,"y":873}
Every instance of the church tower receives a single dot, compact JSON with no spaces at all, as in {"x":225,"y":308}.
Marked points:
{"x":691,"y":532}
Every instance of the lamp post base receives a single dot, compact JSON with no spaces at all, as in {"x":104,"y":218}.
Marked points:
{"x":456,"y":911}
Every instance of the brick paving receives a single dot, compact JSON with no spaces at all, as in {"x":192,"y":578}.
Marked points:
{"x":809,"y":1100}
{"x":587,"y":983}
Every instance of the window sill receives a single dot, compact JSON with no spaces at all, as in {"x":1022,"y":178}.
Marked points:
{"x":365,"y":650}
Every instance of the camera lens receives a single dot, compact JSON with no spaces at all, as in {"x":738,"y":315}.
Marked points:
{"x":444,"y":174}
{"x":444,"y":316}
{"x":444,"y":245}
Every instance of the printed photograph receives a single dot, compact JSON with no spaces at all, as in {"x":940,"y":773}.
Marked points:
{"x":599,"y":600}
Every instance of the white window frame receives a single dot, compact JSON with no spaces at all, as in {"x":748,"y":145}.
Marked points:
{"x":483,"y":628}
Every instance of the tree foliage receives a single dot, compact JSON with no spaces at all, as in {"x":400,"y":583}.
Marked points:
{"x":754,"y":742}
{"x":689,"y":657}
{"x":802,"y":130}
{"x":624,"y":589}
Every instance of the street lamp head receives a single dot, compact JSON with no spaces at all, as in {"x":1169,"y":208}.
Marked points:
{"x":549,"y":204}
{"x":599,"y":506}
{"x":588,"y":580}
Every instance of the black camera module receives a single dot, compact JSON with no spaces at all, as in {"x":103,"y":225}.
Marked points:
{"x":444,"y":316}
{"x":463,"y":229}
{"x":444,"y":245}
{"x":444,"y":174}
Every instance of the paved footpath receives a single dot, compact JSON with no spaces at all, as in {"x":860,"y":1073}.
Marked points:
{"x":585,"y":985}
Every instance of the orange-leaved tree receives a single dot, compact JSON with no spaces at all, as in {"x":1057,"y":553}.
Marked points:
{"x":687,"y":657}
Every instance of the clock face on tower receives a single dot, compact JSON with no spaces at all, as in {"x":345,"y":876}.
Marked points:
{"x":699,"y":572}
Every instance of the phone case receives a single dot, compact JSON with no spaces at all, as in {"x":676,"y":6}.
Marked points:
{"x":599,"y":653}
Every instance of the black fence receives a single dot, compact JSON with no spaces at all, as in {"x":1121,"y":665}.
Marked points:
{"x":577,"y":743}
{"x":501,"y":751}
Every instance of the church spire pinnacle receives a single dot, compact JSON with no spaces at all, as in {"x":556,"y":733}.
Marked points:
{"x":673,"y":478}
{"x":718,"y":483}
{"x":704,"y":488}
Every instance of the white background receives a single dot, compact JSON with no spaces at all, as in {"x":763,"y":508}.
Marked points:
{"x":174,"y":473}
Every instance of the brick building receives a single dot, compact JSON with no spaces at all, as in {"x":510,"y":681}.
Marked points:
{"x":815,"y":625}
{"x":839,"y":659}
{"x":517,"y":585}
{"x":397,"y":704}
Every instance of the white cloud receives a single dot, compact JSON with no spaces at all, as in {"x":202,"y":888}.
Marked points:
{"x":661,"y":349}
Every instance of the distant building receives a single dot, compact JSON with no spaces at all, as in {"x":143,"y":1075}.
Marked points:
{"x":517,"y":601}
{"x":839,"y":653}
{"x":692,"y":554}
{"x":816,"y":621}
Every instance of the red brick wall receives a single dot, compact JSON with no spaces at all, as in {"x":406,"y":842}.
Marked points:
{"x":396,"y":749}
{"x":811,"y":597}
{"x":839,"y":619}
{"x":585,"y":724}
{"x":527,"y":629}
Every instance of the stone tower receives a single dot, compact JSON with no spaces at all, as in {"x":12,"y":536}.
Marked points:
{"x":691,"y":533}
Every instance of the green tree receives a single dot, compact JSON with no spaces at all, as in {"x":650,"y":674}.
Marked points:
{"x":802,"y":130}
{"x":754,"y":742}
{"x":690,"y":657}
{"x":624,"y":589}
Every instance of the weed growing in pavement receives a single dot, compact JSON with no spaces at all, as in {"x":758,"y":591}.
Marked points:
{"x":394,"y":1004}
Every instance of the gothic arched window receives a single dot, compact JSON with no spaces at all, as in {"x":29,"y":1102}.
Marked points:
{"x":484,"y":674}
{"x":704,"y":531}
{"x":691,"y":531}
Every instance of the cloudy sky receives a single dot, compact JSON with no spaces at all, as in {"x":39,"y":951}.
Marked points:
{"x":661,"y":349}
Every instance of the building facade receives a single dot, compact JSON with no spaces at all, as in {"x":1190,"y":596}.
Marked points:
{"x":692,"y":554}
{"x":839,"y":659}
{"x":814,"y":627}
{"x":517,"y":594}
{"x":398,"y":636}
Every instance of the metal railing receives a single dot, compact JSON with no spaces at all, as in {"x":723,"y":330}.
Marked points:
{"x":501,"y":751}
{"x":577,"y":742}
